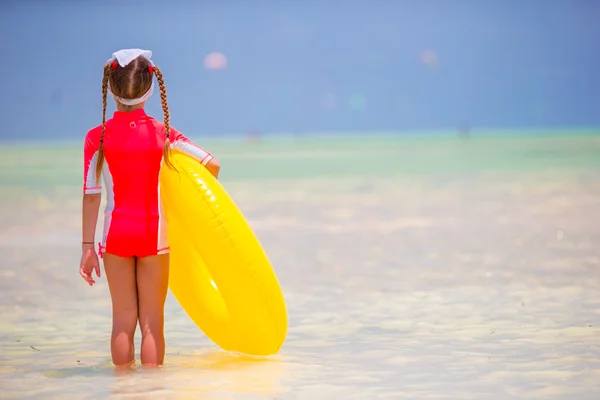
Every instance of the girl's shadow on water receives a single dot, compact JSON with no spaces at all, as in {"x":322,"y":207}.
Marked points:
{"x":210,"y":359}
{"x":196,"y":372}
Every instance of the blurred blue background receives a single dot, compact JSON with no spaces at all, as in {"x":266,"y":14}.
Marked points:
{"x":353,"y":66}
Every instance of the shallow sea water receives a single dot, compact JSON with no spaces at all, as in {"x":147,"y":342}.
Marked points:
{"x":441,"y":285}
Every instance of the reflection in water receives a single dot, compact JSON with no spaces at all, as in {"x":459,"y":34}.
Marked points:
{"x":438,"y":285}
{"x":212,"y":372}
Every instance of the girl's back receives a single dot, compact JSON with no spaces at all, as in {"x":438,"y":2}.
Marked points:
{"x":133,"y":150}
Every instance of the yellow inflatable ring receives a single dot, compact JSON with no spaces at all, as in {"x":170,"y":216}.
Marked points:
{"x":219,"y":272}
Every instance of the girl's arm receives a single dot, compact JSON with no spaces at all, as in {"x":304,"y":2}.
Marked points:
{"x":213,"y":167}
{"x":89,"y":218}
{"x":183,"y":144}
{"x":92,"y":189}
{"x":92,"y":192}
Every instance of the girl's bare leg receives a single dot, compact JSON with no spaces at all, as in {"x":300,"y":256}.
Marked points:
{"x":120,"y":273}
{"x":152,"y":285}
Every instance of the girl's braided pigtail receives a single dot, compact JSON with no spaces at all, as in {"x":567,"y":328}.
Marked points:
{"x":100,"y":160}
{"x":165,"y":107}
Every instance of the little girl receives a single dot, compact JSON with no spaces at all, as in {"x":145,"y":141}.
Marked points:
{"x":127,"y":151}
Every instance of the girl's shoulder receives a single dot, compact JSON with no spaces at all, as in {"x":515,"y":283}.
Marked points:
{"x":160,"y":128}
{"x":92,"y":137}
{"x":158,"y":125}
{"x":96,"y":131}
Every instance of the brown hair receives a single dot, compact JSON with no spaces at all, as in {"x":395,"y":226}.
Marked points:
{"x":131,"y":82}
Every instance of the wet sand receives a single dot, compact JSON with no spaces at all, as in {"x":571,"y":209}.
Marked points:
{"x":438,"y":283}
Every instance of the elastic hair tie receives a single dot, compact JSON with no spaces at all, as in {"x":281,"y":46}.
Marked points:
{"x":151,"y":69}
{"x":114,"y":65}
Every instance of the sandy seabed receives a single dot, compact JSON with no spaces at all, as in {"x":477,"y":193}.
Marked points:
{"x":429,"y":287}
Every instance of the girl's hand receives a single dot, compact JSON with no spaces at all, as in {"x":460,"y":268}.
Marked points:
{"x":89,"y":262}
{"x":213,"y":167}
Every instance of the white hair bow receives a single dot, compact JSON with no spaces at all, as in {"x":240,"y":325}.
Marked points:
{"x":124,"y":57}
